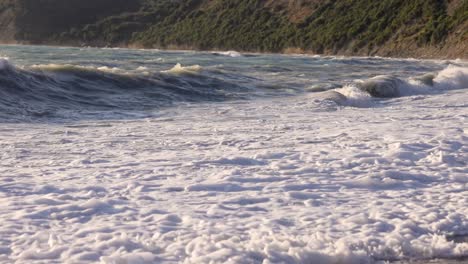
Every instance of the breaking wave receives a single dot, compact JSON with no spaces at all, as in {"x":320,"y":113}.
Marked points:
{"x":229,"y":53}
{"x":179,"y":69}
{"x":363,"y":93}
{"x":68,"y":90}
{"x":71,"y":91}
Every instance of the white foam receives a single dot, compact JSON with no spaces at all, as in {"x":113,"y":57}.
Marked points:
{"x":356,"y":97}
{"x":231,"y":53}
{"x":415,"y":87}
{"x":452,"y":77}
{"x":62,"y":67}
{"x":179,"y":69}
{"x":259,"y":181}
{"x":334,"y":187}
{"x":109,"y":69}
{"x":70,"y":67}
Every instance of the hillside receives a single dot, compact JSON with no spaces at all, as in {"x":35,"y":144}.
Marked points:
{"x":417,"y":28}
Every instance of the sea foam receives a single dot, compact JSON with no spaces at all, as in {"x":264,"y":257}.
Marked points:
{"x":231,"y":53}
{"x":362,"y":93}
{"x":267,"y":179}
{"x":179,"y":69}
{"x":452,"y":77}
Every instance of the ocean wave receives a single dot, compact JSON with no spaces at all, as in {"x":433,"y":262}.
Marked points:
{"x":363,"y":93}
{"x":452,"y":77}
{"x":229,"y":53}
{"x":57,"y":90}
{"x":61,"y":90}
{"x":179,"y":69}
{"x":4,"y":64}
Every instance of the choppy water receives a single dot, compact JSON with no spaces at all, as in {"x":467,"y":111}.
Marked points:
{"x":132,"y":156}
{"x":88,"y":83}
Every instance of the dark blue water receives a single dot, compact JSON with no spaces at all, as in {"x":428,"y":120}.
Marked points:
{"x":39,"y":83}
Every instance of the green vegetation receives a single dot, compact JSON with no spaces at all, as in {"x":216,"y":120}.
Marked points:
{"x":333,"y":26}
{"x":226,"y":24}
{"x":368,"y":24}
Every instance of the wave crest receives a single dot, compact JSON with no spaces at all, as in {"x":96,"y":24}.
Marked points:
{"x":58,"y":90}
{"x":179,"y":69}
{"x":4,"y":64}
{"x":452,"y":77}
{"x":364,"y":93}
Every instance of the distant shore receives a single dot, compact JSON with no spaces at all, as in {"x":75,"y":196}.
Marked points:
{"x":423,"y":29}
{"x":420,"y":54}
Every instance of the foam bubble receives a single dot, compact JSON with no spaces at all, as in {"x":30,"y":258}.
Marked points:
{"x":355,"y":96}
{"x":452,"y":77}
{"x":359,"y":94}
{"x":62,"y":67}
{"x":108,"y":69}
{"x":179,"y":69}
{"x":231,"y":53}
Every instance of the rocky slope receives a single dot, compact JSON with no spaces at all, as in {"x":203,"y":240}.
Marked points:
{"x":418,"y":28}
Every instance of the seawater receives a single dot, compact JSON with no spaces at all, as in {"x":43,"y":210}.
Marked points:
{"x":146,"y":156}
{"x":40,"y":82}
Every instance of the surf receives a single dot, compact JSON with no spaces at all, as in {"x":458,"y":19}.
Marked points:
{"x":364,"y":93}
{"x":48,"y":90}
{"x":103,"y":83}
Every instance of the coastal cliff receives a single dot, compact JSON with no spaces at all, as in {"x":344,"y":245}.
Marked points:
{"x":397,"y":28}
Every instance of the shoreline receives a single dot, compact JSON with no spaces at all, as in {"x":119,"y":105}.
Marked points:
{"x":287,"y":52}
